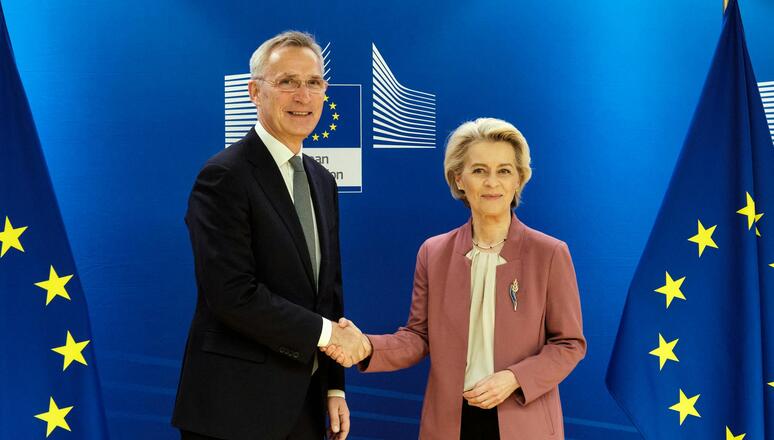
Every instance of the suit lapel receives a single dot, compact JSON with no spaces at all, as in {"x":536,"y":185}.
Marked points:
{"x":507,"y":319}
{"x":269,"y":178}
{"x":457,"y":308}
{"x":512,"y":247}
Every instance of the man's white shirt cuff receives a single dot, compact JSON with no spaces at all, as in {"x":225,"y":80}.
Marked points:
{"x":325,"y":333}
{"x":336,"y":393}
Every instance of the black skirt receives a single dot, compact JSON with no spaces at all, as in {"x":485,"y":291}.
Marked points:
{"x":479,"y":424}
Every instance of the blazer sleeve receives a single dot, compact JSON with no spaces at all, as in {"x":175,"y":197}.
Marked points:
{"x":565,"y":344}
{"x":218,"y":220}
{"x":409,"y":344}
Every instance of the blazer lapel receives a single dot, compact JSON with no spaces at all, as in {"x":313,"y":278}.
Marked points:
{"x":457,"y":305}
{"x":506,"y":318}
{"x":269,"y":178}
{"x":512,"y":248}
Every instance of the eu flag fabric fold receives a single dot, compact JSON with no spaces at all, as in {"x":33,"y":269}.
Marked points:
{"x":48,"y":378}
{"x":693,"y":355}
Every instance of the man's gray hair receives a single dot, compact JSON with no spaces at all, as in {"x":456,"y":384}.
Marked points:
{"x":285,"y":39}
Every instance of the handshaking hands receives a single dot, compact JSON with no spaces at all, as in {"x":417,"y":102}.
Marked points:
{"x":348,"y":345}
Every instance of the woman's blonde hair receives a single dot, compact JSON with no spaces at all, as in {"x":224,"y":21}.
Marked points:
{"x":485,"y":130}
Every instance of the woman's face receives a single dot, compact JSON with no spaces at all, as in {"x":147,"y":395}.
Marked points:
{"x":489,"y":178}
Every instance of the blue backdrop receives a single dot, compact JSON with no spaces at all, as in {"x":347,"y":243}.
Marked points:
{"x":128,"y":98}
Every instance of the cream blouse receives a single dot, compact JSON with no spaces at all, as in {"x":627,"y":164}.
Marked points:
{"x":483,"y":272}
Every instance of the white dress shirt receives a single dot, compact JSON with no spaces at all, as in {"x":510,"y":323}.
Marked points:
{"x":281,"y":155}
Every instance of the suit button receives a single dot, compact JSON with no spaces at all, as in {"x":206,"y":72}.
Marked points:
{"x":295,"y":355}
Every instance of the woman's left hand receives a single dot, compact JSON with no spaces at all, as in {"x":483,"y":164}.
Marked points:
{"x":492,"y":390}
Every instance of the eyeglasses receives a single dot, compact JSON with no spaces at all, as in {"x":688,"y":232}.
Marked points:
{"x":291,"y":84}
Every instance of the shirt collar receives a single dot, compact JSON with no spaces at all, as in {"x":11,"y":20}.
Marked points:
{"x":279,"y":152}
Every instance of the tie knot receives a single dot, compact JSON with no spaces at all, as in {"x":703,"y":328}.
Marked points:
{"x":297,"y":163}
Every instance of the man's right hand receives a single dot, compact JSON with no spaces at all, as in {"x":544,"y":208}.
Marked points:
{"x":348,"y":345}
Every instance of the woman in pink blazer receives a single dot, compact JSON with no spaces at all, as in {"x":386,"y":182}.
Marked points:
{"x":495,"y":304}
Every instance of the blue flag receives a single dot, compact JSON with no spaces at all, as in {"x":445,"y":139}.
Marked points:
{"x":48,"y":377}
{"x":693,"y":356}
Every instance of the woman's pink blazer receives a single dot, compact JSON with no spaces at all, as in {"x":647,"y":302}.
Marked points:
{"x":540,"y":341}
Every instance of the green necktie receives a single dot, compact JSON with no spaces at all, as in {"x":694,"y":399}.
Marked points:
{"x":302,"y":200}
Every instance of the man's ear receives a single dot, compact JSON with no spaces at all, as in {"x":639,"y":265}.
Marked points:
{"x":252,"y":90}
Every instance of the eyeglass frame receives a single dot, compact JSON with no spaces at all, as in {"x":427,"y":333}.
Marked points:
{"x":299,"y":82}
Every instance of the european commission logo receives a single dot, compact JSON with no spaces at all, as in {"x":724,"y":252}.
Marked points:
{"x":767,"y":96}
{"x":402,"y":117}
{"x":337,"y":141}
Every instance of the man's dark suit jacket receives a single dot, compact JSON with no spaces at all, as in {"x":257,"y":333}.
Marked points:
{"x":250,"y":349}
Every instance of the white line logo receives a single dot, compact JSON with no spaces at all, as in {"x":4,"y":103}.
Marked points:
{"x":241,"y":114}
{"x":403,"y":117}
{"x":767,"y":96}
{"x":326,"y":52}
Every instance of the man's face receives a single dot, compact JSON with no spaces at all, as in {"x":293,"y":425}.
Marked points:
{"x":289,"y":116}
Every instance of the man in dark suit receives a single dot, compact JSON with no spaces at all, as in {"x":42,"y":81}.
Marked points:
{"x":264,"y":227}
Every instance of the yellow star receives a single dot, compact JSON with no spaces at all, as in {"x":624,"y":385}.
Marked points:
{"x":332,"y":106}
{"x":55,"y":286}
{"x":772,"y":264}
{"x":332,"y":127}
{"x":55,"y":417}
{"x":671,"y":289}
{"x":731,"y":436}
{"x":72,"y":351}
{"x":704,"y":238}
{"x":336,"y":116}
{"x":325,"y":134}
{"x":10,"y":237}
{"x":749,"y":212}
{"x":315,"y":137}
{"x":325,"y":99}
{"x":771,"y":384}
{"x":686,"y":406}
{"x":665,"y":351}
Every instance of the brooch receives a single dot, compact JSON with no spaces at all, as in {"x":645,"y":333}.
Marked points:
{"x":513,"y":292}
